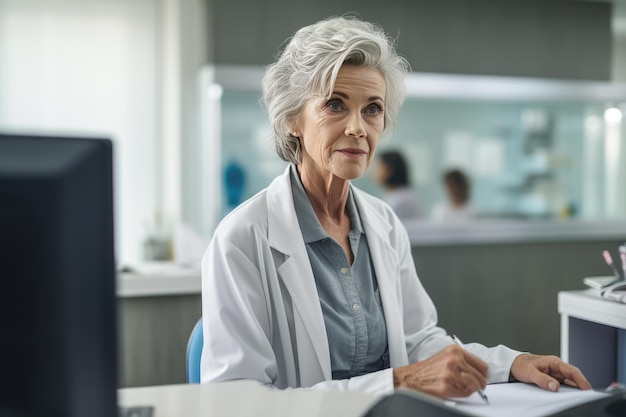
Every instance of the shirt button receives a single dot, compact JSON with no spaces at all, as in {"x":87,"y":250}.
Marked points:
{"x":356,"y":307}
{"x":361,"y":349}
{"x":344,"y":270}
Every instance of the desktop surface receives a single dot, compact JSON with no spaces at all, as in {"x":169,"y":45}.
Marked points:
{"x":244,"y":399}
{"x":249,"y":398}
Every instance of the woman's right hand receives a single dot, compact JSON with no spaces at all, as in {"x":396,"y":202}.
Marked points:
{"x":453,"y":372}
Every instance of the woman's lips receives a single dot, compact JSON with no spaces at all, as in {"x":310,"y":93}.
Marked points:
{"x":352,"y":153}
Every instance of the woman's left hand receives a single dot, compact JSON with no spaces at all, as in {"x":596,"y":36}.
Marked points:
{"x":548,"y":372}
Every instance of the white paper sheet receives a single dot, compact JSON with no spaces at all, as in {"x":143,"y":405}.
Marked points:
{"x":523,"y":400}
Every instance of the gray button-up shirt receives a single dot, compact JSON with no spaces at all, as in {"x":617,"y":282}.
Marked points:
{"x":353,"y":314}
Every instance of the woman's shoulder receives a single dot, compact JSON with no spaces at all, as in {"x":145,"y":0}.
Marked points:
{"x":253,"y":215}
{"x":250,"y":214}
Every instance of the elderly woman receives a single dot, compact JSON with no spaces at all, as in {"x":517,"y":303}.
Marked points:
{"x":311,"y":282}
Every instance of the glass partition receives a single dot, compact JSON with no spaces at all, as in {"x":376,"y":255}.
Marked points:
{"x":532,"y":148}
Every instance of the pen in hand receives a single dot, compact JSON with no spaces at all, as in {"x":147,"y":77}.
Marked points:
{"x":480,"y":391}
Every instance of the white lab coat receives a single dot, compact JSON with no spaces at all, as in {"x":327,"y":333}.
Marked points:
{"x":261,"y":313}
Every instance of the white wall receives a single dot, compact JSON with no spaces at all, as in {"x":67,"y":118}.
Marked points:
{"x":115,"y":68}
{"x":89,"y":68}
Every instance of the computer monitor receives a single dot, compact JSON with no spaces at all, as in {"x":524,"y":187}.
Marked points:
{"x":58,"y":344}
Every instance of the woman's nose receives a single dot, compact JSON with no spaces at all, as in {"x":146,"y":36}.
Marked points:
{"x":355,"y":127}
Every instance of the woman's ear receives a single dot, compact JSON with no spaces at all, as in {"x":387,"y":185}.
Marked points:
{"x":294,"y":126}
{"x":294,"y":129}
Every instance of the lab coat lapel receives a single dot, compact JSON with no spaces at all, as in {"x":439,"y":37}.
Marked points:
{"x":295,"y":272}
{"x":386,"y":265}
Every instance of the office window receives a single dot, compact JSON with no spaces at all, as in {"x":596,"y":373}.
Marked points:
{"x":90,"y":67}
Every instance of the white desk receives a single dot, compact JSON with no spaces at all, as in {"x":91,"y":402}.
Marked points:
{"x":593,"y":335}
{"x":248,"y":398}
{"x":244,"y":399}
{"x":158,"y":279}
{"x":494,"y":231}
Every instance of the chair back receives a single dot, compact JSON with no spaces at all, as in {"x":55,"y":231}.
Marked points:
{"x":194,"y":352}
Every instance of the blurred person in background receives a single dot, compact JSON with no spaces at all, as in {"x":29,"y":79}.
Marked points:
{"x":392,"y":172}
{"x":457,"y":207}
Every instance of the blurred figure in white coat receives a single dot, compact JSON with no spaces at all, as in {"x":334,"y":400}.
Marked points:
{"x":457,"y":207}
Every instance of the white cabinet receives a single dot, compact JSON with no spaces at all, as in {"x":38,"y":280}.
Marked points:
{"x":593,"y":335}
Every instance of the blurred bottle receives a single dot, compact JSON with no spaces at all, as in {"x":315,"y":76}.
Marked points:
{"x":156,"y":246}
{"x":234,"y":184}
{"x":568,"y":210}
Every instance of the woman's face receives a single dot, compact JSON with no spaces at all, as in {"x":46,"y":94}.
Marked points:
{"x":339,"y":134}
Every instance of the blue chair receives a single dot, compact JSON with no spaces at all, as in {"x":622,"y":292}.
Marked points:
{"x":194,"y":352}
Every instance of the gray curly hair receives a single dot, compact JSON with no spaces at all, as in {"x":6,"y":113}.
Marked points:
{"x":308,"y":67}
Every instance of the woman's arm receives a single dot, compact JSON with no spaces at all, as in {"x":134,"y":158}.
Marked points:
{"x":236,"y":324}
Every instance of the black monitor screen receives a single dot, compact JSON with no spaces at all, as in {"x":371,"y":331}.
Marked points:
{"x":57,"y":278}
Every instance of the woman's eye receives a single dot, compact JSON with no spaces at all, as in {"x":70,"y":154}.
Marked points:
{"x":334,"y":106}
{"x":374,"y":109}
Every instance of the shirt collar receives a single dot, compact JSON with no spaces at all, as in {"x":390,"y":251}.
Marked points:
{"x":310,"y":226}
